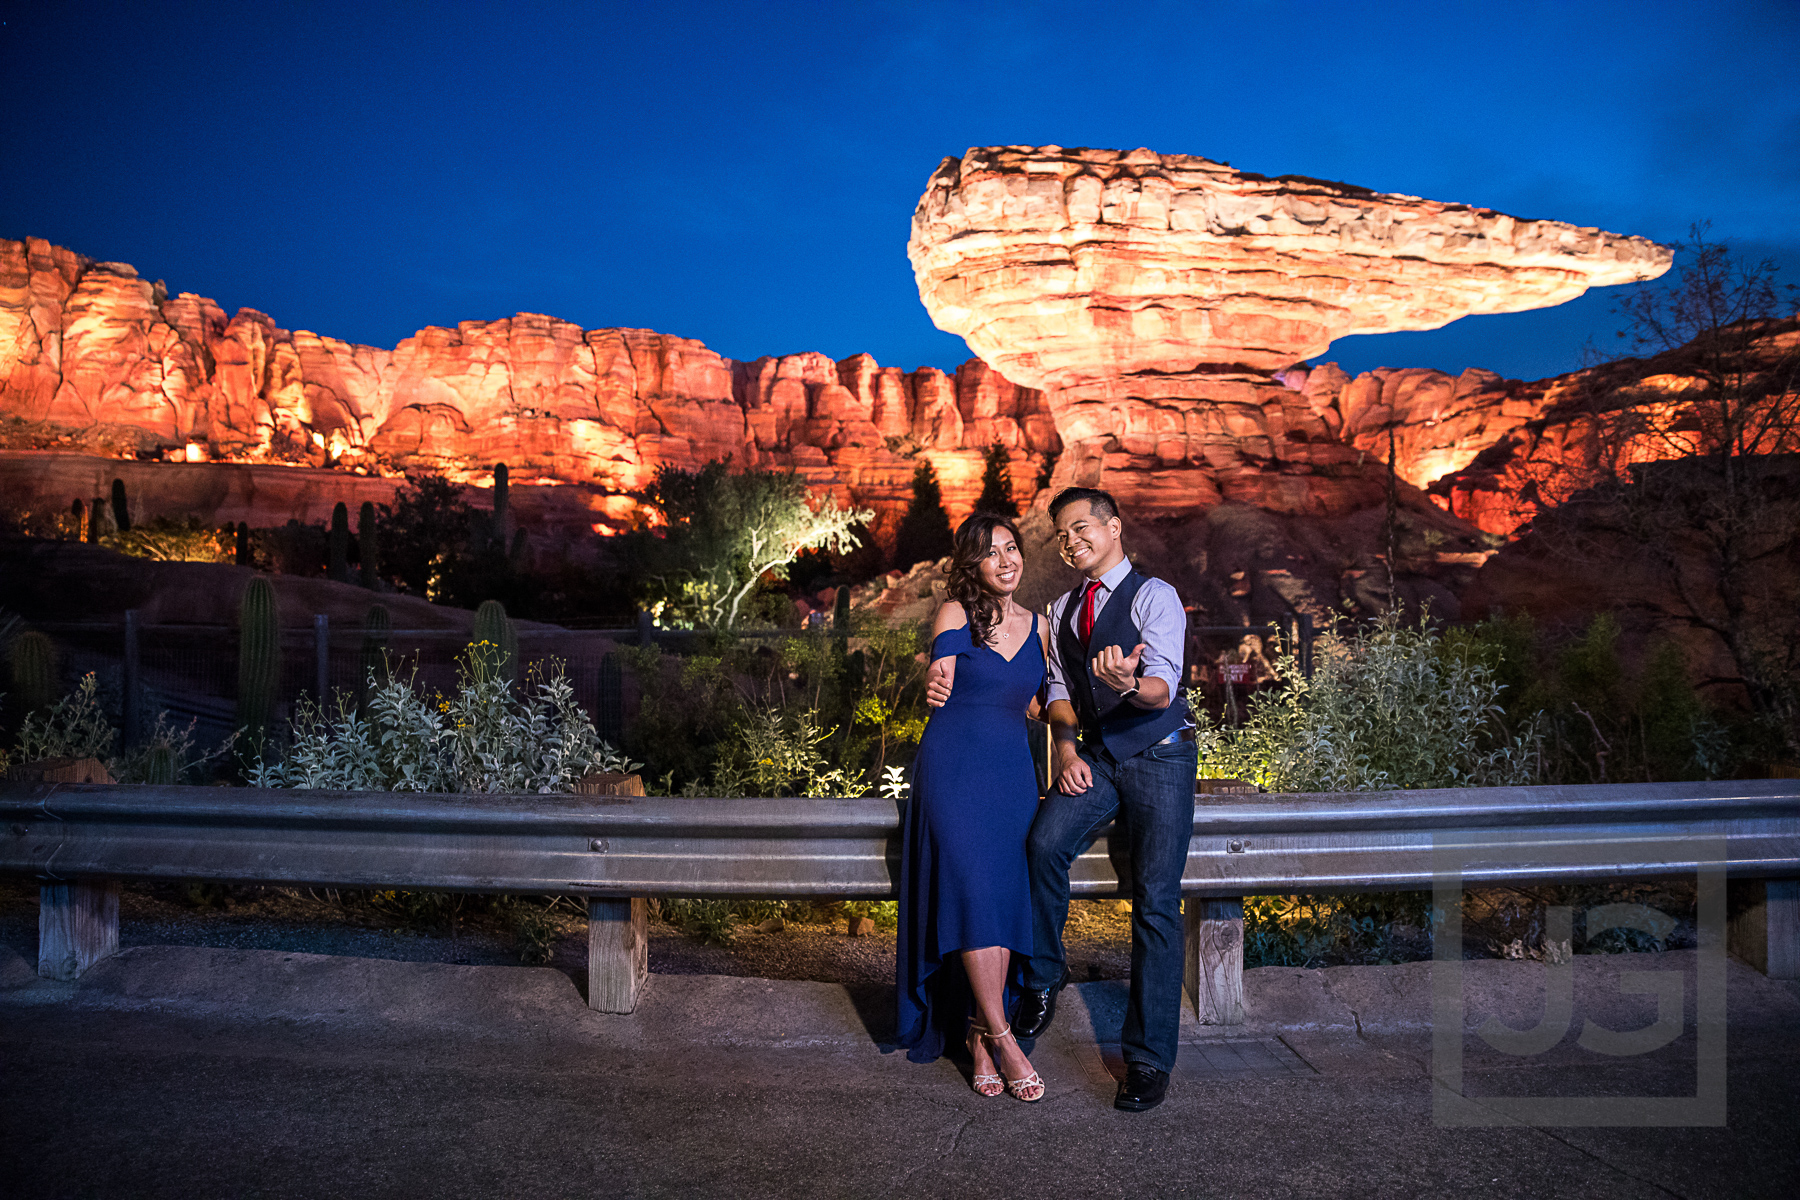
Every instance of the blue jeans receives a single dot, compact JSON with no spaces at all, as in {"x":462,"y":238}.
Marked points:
{"x":1152,"y":796}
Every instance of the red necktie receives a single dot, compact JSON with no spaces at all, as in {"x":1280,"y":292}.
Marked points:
{"x":1085,"y":625}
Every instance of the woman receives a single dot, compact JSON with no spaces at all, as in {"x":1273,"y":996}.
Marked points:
{"x":965,"y":905}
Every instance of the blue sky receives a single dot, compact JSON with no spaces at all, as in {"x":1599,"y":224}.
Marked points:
{"x":744,"y":174}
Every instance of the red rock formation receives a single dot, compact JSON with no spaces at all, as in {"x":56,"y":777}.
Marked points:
{"x":1155,"y":297}
{"x":92,"y":347}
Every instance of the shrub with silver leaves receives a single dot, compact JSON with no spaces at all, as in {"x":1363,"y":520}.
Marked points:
{"x":489,"y":737}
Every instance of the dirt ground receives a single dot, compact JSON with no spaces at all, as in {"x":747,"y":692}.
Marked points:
{"x":482,"y":933}
{"x":811,"y":944}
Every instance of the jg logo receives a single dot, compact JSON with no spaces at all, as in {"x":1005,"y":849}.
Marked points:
{"x":1471,"y":857}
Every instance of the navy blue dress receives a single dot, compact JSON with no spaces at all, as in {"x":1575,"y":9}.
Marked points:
{"x":963,"y":883}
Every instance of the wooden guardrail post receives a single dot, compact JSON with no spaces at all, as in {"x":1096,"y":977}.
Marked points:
{"x":1214,"y":934}
{"x":1214,"y":976}
{"x":618,"y":929}
{"x":78,"y":925}
{"x":618,"y":953}
{"x":1764,"y":927}
{"x":78,"y":919}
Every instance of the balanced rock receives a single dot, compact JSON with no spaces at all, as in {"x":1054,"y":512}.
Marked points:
{"x":1156,"y":298}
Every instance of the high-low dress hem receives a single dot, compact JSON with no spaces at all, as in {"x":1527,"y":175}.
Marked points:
{"x":963,"y":882}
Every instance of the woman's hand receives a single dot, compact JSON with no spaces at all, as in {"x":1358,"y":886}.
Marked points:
{"x":939,"y":680}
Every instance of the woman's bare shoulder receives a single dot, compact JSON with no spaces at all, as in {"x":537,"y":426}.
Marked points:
{"x":950,"y":615}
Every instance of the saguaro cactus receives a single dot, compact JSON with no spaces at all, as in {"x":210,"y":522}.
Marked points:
{"x":492,"y":625}
{"x":121,"y":510}
{"x":502,"y":503}
{"x":259,"y":657}
{"x":367,"y":546}
{"x":78,"y":510}
{"x":94,"y":529}
{"x":33,"y":672}
{"x":372,"y":668}
{"x":339,"y":570}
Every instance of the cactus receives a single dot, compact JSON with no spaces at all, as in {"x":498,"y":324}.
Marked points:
{"x":242,"y":546}
{"x":373,"y":663}
{"x":93,"y":529}
{"x":502,"y":503}
{"x":159,"y":765}
{"x":259,"y":658}
{"x":520,"y":548}
{"x":492,"y":625}
{"x":121,"y":512}
{"x":339,"y":570}
{"x":33,"y":671}
{"x":78,"y":510}
{"x":367,"y":546}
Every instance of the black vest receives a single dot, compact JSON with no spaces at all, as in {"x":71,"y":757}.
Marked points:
{"x":1121,"y":726}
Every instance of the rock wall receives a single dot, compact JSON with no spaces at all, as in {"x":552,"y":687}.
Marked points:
{"x":92,"y":347}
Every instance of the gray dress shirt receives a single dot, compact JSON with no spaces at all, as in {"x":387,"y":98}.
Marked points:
{"x":1156,"y":611}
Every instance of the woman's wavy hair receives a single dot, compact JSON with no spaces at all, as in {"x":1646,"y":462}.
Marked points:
{"x":974,"y":538}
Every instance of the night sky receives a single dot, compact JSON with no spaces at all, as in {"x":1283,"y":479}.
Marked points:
{"x":745,"y":173}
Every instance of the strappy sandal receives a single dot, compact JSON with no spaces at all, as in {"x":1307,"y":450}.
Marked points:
{"x":1029,"y":1089}
{"x":981,"y":1083}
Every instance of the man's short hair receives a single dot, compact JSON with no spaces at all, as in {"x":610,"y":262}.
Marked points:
{"x":1100,"y":503}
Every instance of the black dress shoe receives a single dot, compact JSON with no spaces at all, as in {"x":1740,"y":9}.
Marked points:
{"x":1035,"y":1010}
{"x":1144,"y":1088}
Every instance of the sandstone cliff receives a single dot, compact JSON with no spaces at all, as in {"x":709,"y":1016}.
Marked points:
{"x":92,"y":348}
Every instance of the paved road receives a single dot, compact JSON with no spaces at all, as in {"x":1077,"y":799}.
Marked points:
{"x":194,"y":1072}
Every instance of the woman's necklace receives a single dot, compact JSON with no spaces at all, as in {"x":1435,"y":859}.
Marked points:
{"x":1002,"y":630}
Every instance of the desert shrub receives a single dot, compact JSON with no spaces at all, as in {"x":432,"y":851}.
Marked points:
{"x":1389,"y":705}
{"x":73,"y":727}
{"x":774,"y":753}
{"x":167,"y":754}
{"x":1336,"y":929}
{"x":1598,"y":718}
{"x":487,"y":738}
{"x":167,"y":539}
{"x":849,"y":701}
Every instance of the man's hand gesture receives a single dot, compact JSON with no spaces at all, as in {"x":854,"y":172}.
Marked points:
{"x":1117,"y":669}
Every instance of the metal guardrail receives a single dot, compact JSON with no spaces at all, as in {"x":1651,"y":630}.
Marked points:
{"x":80,"y":839}
{"x":849,"y":848}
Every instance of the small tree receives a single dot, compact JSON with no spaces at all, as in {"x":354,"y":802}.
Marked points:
{"x":924,"y":534}
{"x":728,"y":532}
{"x":1700,"y":481}
{"x":996,"y":484}
{"x":424,"y":534}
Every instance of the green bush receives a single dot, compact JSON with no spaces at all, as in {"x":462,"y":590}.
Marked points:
{"x":1389,"y":706}
{"x":1599,"y":719}
{"x":811,"y":705}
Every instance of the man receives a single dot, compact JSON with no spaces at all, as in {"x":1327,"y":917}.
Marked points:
{"x":1123,"y":749}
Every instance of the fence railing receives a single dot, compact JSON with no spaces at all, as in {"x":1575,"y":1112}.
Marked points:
{"x":617,"y":851}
